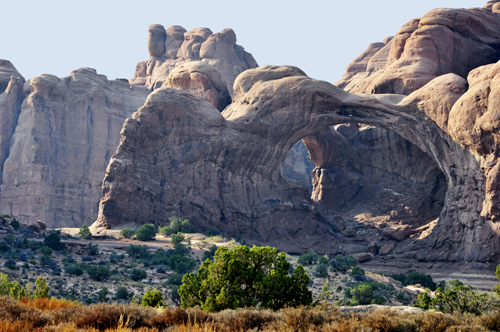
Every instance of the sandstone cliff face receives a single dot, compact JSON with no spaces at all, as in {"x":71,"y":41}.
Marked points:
{"x":175,"y":46}
{"x":442,"y":41}
{"x":65,"y":133}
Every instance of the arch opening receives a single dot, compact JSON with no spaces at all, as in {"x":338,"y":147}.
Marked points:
{"x":368,"y":174}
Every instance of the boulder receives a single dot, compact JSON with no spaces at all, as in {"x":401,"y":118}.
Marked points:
{"x":386,"y":249}
{"x":364,"y":257}
{"x":350,"y":231}
{"x":398,"y":233}
{"x":42,"y":225}
{"x":35,"y":227}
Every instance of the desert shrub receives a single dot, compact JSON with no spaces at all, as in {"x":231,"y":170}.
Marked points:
{"x":122,"y":293}
{"x":357,"y":271}
{"x":413,"y":278}
{"x":73,"y":269}
{"x":93,"y":249}
{"x":138,"y":251}
{"x":404,"y":298}
{"x":87,"y":259}
{"x":362,"y":294}
{"x":174,"y":295}
{"x":308,"y":258}
{"x":212,"y":232}
{"x":10,"y":239}
{"x":209,"y":254}
{"x":177,"y":238}
{"x":497,"y":286}
{"x":343,"y":263}
{"x":146,"y":232}
{"x":10,"y":264}
{"x":127,"y":233}
{"x":138,"y":274}
{"x":176,"y":259}
{"x":15,"y":224}
{"x":321,"y":271}
{"x":461,"y":299}
{"x":152,"y":298}
{"x":161,"y":269}
{"x":175,"y":279}
{"x":47,"y":251}
{"x":243,"y":277}
{"x":115,"y":258}
{"x":324,"y":260}
{"x":42,"y":289}
{"x":4,"y":247}
{"x":177,"y":225}
{"x":98,"y":273}
{"x":102,"y":295}
{"x":44,"y":260}
{"x":84,"y":232}
{"x":455,"y":283}
{"x":53,"y":240}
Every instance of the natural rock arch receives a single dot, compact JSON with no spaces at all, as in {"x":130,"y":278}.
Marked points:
{"x":180,"y":156}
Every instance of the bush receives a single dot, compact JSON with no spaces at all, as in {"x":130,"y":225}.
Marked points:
{"x":308,"y":258}
{"x":84,"y":232}
{"x":357,"y":271}
{"x":152,"y":298}
{"x":138,"y":274}
{"x":122,"y":293}
{"x":362,"y":294}
{"x":177,"y":238}
{"x":175,"y":279}
{"x":15,"y":224}
{"x":93,"y":249}
{"x":244,"y":277}
{"x":213,"y":232}
{"x":177,"y":225}
{"x":138,"y":251}
{"x":10,"y":264}
{"x":414,"y":278}
{"x":146,"y":233}
{"x":72,"y":269}
{"x":161,"y":269}
{"x":53,"y":240}
{"x":102,"y":295}
{"x":343,"y":263}
{"x":47,"y":251}
{"x":127,"y":233}
{"x":321,"y":271}
{"x":98,"y":273}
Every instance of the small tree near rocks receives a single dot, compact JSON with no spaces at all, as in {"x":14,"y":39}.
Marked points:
{"x":127,"y":233}
{"x":146,"y":232}
{"x":84,"y":232}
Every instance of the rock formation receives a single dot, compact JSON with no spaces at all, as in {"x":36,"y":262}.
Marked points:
{"x":442,"y":41}
{"x":56,"y":140}
{"x":224,"y":170}
{"x":175,"y":46}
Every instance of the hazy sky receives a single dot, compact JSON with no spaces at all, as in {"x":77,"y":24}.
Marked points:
{"x":320,"y":37}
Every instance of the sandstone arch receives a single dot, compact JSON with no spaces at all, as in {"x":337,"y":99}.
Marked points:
{"x":180,"y":156}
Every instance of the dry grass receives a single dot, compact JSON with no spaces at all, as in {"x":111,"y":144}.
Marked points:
{"x":67,"y":316}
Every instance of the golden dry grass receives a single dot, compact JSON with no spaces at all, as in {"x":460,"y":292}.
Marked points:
{"x":49,"y":315}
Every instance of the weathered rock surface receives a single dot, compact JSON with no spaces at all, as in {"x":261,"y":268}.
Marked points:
{"x":442,"y":41}
{"x":7,"y":71}
{"x":175,"y":46}
{"x":223,"y":170}
{"x":65,"y":132}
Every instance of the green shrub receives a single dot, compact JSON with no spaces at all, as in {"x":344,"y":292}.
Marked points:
{"x":47,"y":251}
{"x":102,"y":295}
{"x":362,"y":294}
{"x":138,"y":251}
{"x":321,"y":271}
{"x":42,"y":289}
{"x":357,"y":271}
{"x":10,"y":264}
{"x":177,"y":238}
{"x":122,"y":293}
{"x":174,"y":295}
{"x":98,"y":273}
{"x":93,"y":249}
{"x":138,"y":274}
{"x":53,"y":240}
{"x":84,"y":232}
{"x":244,"y":277}
{"x":73,"y":269}
{"x":152,"y":298}
{"x":146,"y":233}
{"x":175,"y":279}
{"x":414,"y":278}
{"x":127,"y":233}
{"x":308,"y":258}
{"x":177,"y":225}
{"x":15,"y":224}
{"x":343,"y":263}
{"x":212,"y":232}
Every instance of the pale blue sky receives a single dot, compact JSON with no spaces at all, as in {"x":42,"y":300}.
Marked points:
{"x":320,"y":37}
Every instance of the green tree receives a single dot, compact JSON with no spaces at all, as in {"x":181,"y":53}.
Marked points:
{"x":497,"y":287}
{"x":146,"y":233}
{"x":177,"y":238}
{"x":245,"y":277}
{"x":73,"y":269}
{"x":102,"y":295}
{"x":152,"y":298}
{"x":343,"y":263}
{"x":138,"y":274}
{"x":309,"y":257}
{"x":53,"y":240}
{"x":138,"y":251}
{"x":15,"y":224}
{"x":98,"y":273}
{"x":84,"y":232}
{"x":47,"y":251}
{"x":363,"y":294}
{"x":42,"y":289}
{"x":127,"y":233}
{"x":122,"y":293}
{"x":93,"y":249}
{"x":357,"y":271}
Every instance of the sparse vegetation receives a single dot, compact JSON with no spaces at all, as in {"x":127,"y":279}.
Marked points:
{"x":414,"y":278}
{"x":85,"y":232}
{"x":177,"y":225}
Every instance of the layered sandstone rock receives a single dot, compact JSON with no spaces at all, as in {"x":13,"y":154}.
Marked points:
{"x":175,"y":46}
{"x":7,"y":71}
{"x":442,"y":41}
{"x":65,"y":133}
